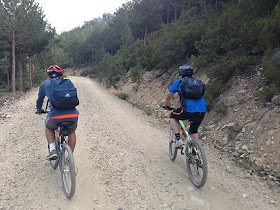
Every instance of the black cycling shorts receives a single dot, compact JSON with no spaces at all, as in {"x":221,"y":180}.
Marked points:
{"x":195,"y":119}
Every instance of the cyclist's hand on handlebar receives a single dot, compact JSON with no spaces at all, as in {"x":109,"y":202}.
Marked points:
{"x":166,"y":107}
{"x":40,"y":111}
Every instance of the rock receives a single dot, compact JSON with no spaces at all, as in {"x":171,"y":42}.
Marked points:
{"x":209,"y":127}
{"x":245,"y":147}
{"x":235,"y":154}
{"x":272,"y":178}
{"x":229,"y":125}
{"x":225,"y":140}
{"x":238,"y":136}
{"x":241,"y":91}
{"x":245,"y":195}
{"x":276,"y":100}
{"x":232,"y":124}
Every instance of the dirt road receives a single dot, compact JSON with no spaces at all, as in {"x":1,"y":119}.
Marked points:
{"x":122,"y":160}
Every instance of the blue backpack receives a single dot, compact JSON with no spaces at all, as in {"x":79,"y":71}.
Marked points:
{"x":63,"y":94}
{"x":192,"y":88}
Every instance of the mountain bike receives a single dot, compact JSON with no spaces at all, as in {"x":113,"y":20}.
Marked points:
{"x":65,"y":159}
{"x":194,"y":153}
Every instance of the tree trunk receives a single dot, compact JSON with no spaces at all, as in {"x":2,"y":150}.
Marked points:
{"x":30,"y":74}
{"x":175,"y":13}
{"x":20,"y":70}
{"x":8,"y":77}
{"x":146,"y":34}
{"x":13,"y":75}
{"x":168,"y":13}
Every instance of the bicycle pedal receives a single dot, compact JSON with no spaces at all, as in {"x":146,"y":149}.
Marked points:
{"x":182,"y":150}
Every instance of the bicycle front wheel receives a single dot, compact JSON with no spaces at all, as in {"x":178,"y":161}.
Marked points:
{"x":196,"y":163}
{"x":68,"y":171}
{"x":172,"y":149}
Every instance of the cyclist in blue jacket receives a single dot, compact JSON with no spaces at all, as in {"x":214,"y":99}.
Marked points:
{"x":191,"y":109}
{"x":56,"y":116}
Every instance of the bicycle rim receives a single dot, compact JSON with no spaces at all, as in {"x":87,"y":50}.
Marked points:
{"x":172,"y":149}
{"x":68,"y":171}
{"x":197,"y":164}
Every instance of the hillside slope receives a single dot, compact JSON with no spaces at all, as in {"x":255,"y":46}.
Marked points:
{"x":249,"y":133}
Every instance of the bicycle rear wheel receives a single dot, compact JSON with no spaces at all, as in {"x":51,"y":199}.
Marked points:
{"x":172,"y":149}
{"x":196,"y":163}
{"x":68,"y":171}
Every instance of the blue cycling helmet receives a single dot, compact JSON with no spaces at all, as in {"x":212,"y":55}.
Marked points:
{"x":186,"y":70}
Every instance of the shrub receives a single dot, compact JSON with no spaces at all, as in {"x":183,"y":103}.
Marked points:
{"x":213,"y":91}
{"x":221,"y":108}
{"x":123,"y":96}
{"x":148,"y":112}
{"x":267,"y":93}
{"x":87,"y":72}
{"x":136,"y":73}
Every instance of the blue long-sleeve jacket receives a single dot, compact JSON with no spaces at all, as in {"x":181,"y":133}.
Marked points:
{"x":53,"y":112}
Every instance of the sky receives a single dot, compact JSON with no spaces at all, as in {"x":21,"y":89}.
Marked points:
{"x":65,"y":15}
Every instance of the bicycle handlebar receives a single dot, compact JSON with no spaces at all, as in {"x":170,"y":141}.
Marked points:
{"x":42,"y":112}
{"x":168,"y":107}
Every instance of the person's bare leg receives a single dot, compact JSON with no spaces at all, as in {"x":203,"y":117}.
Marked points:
{"x":195,"y":136}
{"x":72,"y":140}
{"x":175,"y":125}
{"x":49,"y":135}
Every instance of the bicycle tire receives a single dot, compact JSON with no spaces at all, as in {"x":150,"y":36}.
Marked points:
{"x":195,"y":161}
{"x":68,"y":171}
{"x":172,"y":149}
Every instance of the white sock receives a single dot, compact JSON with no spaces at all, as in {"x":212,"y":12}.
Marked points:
{"x":52,"y":146}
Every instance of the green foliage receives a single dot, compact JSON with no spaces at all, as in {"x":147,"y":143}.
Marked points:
{"x":87,"y":72}
{"x":112,"y":68}
{"x":220,"y":38}
{"x":123,"y":96}
{"x":23,"y":27}
{"x":148,"y":112}
{"x":221,"y":108}
{"x":4,"y":70}
{"x":271,"y":66}
{"x":213,"y":91}
{"x":136,"y":73}
{"x":268,"y":92}
{"x":270,"y":33}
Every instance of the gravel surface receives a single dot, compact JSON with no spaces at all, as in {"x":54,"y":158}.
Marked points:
{"x":122,"y":159}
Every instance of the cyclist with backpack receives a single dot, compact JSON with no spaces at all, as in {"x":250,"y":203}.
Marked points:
{"x":193,"y":104}
{"x":63,"y":101}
